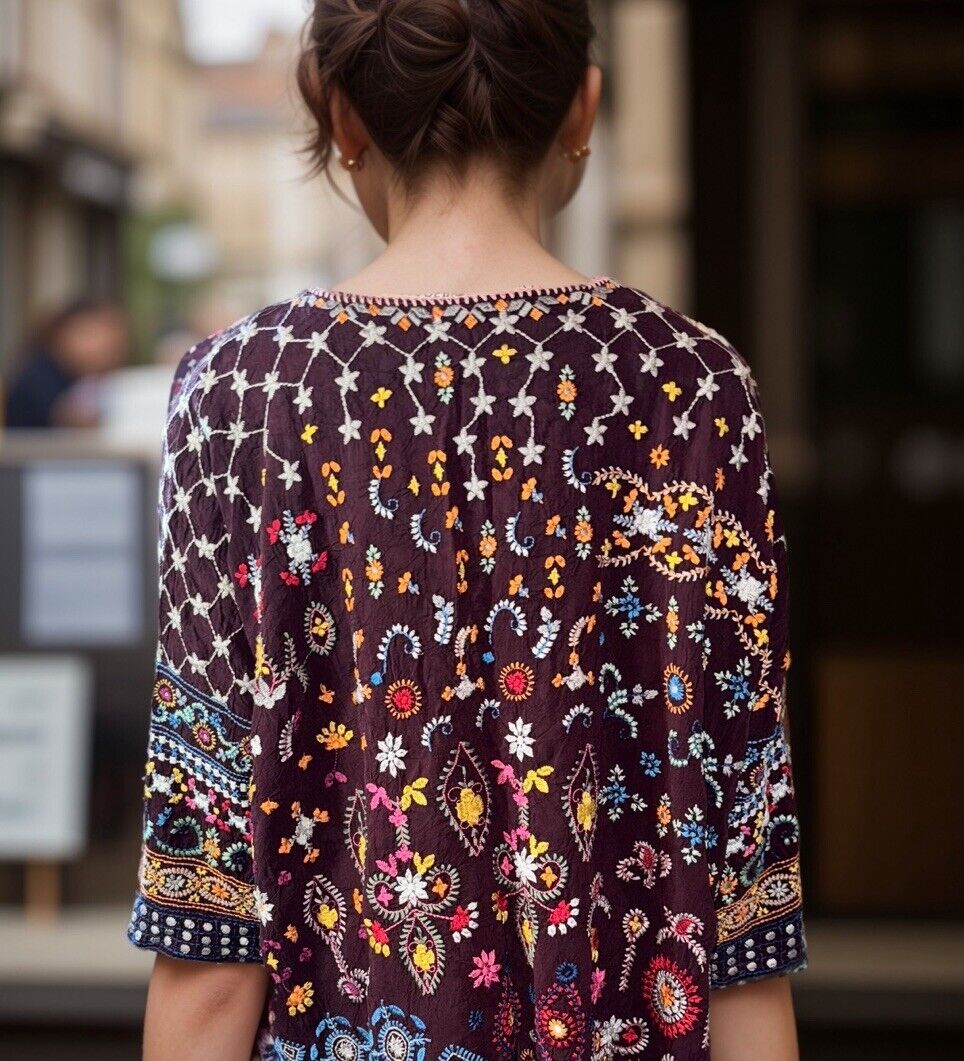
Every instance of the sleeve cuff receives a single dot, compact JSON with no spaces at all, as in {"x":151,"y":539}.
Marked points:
{"x":194,"y":937}
{"x":774,"y":949}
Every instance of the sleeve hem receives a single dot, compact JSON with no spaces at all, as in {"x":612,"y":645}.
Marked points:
{"x":773,"y":949}
{"x":193,"y":937}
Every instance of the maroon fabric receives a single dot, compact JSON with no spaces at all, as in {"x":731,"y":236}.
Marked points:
{"x":469,"y":714}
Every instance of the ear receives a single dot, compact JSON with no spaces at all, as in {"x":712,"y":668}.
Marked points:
{"x":347,"y":130}
{"x":577,"y":126}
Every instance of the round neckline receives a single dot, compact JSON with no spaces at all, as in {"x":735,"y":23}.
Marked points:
{"x":443,"y":298}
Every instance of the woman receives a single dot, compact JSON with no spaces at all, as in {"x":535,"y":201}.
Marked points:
{"x":468,"y":738}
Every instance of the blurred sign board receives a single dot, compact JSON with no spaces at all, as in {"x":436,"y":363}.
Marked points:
{"x":81,"y":555}
{"x":44,"y":756}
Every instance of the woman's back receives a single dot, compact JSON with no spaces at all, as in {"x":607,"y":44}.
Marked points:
{"x":469,"y":714}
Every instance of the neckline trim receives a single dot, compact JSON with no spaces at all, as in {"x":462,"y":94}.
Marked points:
{"x":442,"y":298}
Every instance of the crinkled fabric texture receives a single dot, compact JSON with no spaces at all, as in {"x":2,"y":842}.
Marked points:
{"x":469,"y":716}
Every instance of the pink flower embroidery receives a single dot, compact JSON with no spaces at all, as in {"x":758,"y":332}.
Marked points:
{"x":487,"y":969}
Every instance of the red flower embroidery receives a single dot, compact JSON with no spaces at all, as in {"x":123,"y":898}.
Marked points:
{"x":672,"y":997}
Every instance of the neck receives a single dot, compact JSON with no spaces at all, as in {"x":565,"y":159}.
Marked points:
{"x":463,"y":238}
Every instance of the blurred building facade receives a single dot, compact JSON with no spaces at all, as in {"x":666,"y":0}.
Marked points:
{"x":96,"y":122}
{"x":650,"y":194}
{"x":274,"y":231}
{"x":104,"y":118}
{"x":160,"y":110}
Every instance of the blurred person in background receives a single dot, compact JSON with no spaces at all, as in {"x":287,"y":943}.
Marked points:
{"x":468,"y":737}
{"x":59,"y":382}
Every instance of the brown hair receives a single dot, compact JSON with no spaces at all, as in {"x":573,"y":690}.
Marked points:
{"x":440,"y":81}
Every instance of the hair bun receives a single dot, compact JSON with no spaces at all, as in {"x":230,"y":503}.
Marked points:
{"x":438,"y":81}
{"x":420,"y":33}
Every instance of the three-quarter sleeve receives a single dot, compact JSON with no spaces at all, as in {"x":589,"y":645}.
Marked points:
{"x":756,"y":875}
{"x":196,"y":897}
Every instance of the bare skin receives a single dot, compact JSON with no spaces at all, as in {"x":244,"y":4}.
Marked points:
{"x":435,"y":243}
{"x":754,"y":1021}
{"x":470,"y":238}
{"x":197,"y":1011}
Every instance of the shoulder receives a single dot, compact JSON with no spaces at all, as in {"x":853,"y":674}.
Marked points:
{"x":655,"y":318}
{"x":240,"y":353}
{"x":696,"y":394}
{"x":673,"y":347}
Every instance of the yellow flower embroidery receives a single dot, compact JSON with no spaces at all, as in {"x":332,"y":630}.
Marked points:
{"x":423,"y":957}
{"x":469,"y":807}
{"x":586,"y":812}
{"x":637,"y":429}
{"x":327,"y":916}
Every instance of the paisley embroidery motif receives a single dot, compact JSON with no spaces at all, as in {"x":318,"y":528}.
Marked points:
{"x":465,"y":798}
{"x":581,"y":801}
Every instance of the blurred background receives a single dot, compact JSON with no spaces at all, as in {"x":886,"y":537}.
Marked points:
{"x":791,"y":172}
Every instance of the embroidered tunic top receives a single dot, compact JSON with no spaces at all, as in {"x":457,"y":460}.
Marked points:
{"x":469,"y":714}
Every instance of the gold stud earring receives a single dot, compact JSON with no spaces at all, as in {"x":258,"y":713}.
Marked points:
{"x":352,"y":164}
{"x":577,"y":154}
